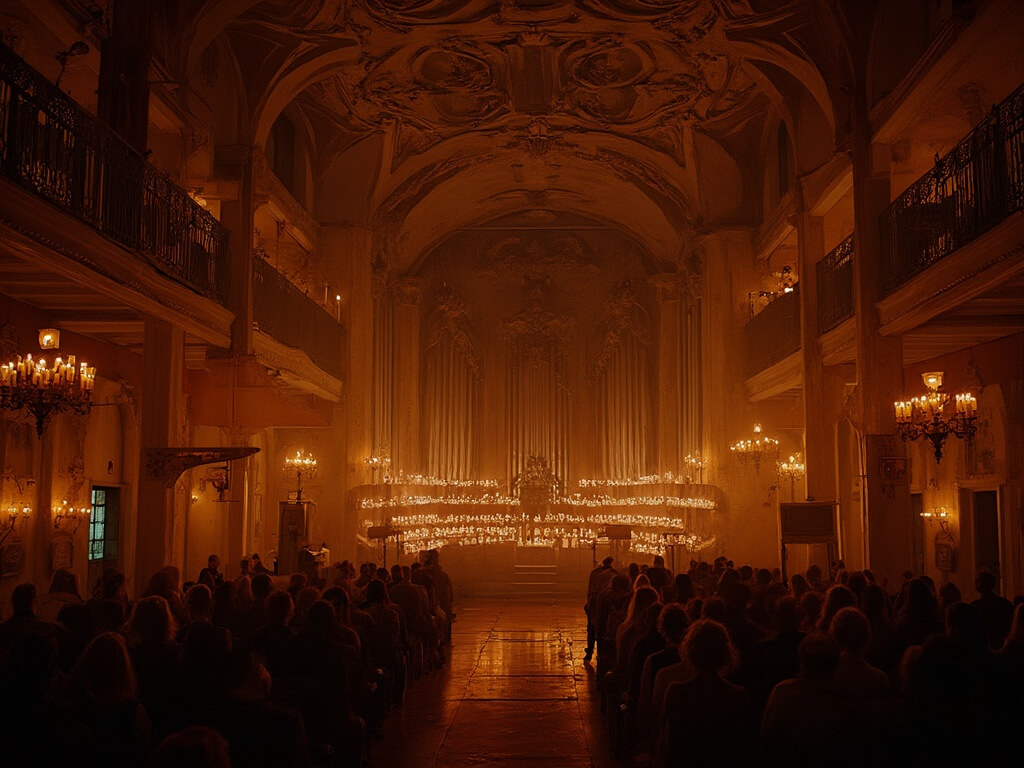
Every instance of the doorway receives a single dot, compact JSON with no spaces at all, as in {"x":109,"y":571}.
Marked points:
{"x":104,"y":529}
{"x":985,"y":520}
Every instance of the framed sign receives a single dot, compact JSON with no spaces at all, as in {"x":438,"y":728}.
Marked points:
{"x":62,"y":551}
{"x":808,"y":522}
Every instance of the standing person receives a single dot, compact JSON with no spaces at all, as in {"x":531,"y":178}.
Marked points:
{"x":257,"y":564}
{"x":443,"y":585}
{"x":600,"y":578}
{"x":211,"y":575}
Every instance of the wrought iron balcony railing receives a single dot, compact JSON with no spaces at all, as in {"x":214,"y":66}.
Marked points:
{"x":974,"y":187}
{"x":291,"y":317}
{"x":774,"y":333}
{"x":54,"y":148}
{"x":835,"y":286}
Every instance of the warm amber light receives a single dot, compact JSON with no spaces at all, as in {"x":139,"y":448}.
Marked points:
{"x":932,"y":380}
{"x":49,"y":338}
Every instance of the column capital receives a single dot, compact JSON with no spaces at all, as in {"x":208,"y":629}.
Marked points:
{"x":671,"y":286}
{"x":408,"y":290}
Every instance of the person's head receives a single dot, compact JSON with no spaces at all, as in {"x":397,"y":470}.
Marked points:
{"x":151,"y":622}
{"x":684,"y":587}
{"x":376,"y":592}
{"x":634,"y":571}
{"x":245,"y":565}
{"x":787,"y":614}
{"x":659,"y":561}
{"x":262,"y":585}
{"x":607,"y":562}
{"x":641,"y":581}
{"x":851,"y":630}
{"x":715,"y":609}
{"x":213,"y":562}
{"x":304,"y":601}
{"x":165,"y":582}
{"x":964,"y":623}
{"x":280,"y":608}
{"x":23,"y":598}
{"x":1015,"y":637}
{"x":224,"y":603}
{"x":836,"y":598}
{"x":949,"y":594}
{"x":985,"y":581}
{"x":920,"y":599}
{"x":672,"y":623}
{"x":856,"y":581}
{"x":255,"y":558}
{"x":64,"y":581}
{"x":799,"y":585}
{"x":246,"y":679}
{"x":396,"y":573}
{"x":708,"y":649}
{"x":338,"y":597}
{"x":199,"y":603}
{"x":320,"y":618}
{"x":197,"y":746}
{"x":813,"y":575}
{"x":763,"y":577}
{"x":810,"y":607}
{"x":103,"y":673}
{"x":746,"y":572}
{"x":819,"y":656}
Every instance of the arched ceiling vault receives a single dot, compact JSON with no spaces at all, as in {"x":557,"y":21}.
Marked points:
{"x":572,"y":99}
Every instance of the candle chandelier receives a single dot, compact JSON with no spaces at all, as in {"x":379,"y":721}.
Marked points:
{"x":301,"y":465}
{"x":927,"y":416}
{"x":756,"y":449}
{"x":43,"y":389}
{"x":794,"y":469}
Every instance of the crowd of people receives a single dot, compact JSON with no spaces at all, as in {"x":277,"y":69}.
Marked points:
{"x":721,"y":664}
{"x":259,"y":670}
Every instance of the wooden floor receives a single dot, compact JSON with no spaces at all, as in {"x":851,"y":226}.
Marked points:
{"x":514,"y":693}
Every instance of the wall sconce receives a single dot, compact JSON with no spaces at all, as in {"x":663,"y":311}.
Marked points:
{"x":296,"y":467}
{"x":69,"y":517}
{"x":49,"y":338}
{"x":15,"y":513}
{"x":936,"y":513}
{"x":220,"y":479}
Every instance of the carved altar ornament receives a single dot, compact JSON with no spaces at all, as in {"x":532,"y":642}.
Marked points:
{"x":625,"y":318}
{"x":539,"y":334}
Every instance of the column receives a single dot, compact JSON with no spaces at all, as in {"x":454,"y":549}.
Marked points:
{"x":236,"y":214}
{"x":669,"y":350}
{"x":819,"y":420}
{"x":879,"y":366}
{"x":162,"y":422}
{"x":406,"y":451}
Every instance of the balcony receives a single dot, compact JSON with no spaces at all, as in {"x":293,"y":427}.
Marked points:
{"x":293,"y":319}
{"x":773,"y":334}
{"x":977,"y":185}
{"x":835,"y":286}
{"x":53,"y":148}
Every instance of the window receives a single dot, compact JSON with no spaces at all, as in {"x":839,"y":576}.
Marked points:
{"x":103,"y":525}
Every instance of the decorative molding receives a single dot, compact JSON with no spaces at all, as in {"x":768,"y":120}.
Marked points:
{"x":167,"y":464}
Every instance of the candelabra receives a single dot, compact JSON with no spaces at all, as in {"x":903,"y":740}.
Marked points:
{"x":755,"y":450}
{"x":296,"y":467}
{"x":68,"y":516}
{"x":926,"y":417}
{"x":695,"y":465}
{"x":793,"y":469}
{"x":15,"y":514}
{"x":41,"y":390}
{"x":379,"y":463}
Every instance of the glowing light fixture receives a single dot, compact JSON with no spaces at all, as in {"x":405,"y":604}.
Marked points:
{"x":42,"y":389}
{"x":926,"y":416}
{"x":296,"y":467}
{"x":756,"y":449}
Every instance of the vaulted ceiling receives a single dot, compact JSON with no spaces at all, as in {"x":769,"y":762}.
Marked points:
{"x":653,"y":114}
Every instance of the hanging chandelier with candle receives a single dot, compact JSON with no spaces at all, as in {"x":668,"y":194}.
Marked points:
{"x":794,"y":468}
{"x":756,"y":449}
{"x":43,"y":389}
{"x":929,"y":416}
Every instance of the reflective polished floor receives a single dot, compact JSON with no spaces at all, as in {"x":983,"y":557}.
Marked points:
{"x":514,"y":693}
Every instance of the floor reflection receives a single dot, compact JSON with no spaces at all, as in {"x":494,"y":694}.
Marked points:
{"x":514,"y":693}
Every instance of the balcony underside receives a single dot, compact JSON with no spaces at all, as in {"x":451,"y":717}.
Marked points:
{"x":974,"y":295}
{"x":92,"y":285}
{"x":780,"y":377}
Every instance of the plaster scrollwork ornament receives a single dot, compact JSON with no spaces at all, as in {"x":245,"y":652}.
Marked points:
{"x":539,"y":335}
{"x":625,"y":318}
{"x":450,"y":319}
